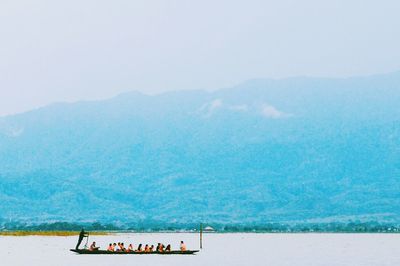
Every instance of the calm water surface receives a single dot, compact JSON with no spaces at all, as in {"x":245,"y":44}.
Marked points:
{"x":219,"y":249}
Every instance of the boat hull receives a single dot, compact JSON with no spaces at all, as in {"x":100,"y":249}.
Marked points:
{"x":105,"y":252}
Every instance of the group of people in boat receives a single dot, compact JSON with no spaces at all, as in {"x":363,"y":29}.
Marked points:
{"x":120,"y":247}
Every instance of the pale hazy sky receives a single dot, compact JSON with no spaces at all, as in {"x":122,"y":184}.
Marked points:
{"x":72,"y":50}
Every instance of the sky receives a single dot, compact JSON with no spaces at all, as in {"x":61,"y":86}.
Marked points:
{"x":55,"y":51}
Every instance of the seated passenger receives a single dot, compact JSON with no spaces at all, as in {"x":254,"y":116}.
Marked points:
{"x":93,"y":247}
{"x":123,"y":247}
{"x":139,"y":249}
{"x":146,"y":248}
{"x":168,"y":248}
{"x":118,"y":247}
{"x":130,"y":248}
{"x":161,"y":248}
{"x":110,"y":247}
{"x":152,"y":248}
{"x":115,"y":247}
{"x":183,"y":246}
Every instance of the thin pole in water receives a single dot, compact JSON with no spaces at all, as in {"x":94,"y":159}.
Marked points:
{"x":201,"y":236}
{"x":87,"y":240}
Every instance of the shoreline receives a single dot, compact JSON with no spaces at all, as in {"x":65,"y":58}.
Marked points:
{"x":105,"y":233}
{"x":48,"y":233}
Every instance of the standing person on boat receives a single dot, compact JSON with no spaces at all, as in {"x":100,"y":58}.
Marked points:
{"x":82,"y":235}
{"x":183,"y":246}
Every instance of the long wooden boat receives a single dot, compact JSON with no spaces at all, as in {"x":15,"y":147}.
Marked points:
{"x":173,"y":252}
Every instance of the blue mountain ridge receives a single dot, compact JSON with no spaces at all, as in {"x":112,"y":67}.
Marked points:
{"x":290,"y":150}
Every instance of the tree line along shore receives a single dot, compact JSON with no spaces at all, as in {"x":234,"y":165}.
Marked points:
{"x":46,"y":233}
{"x":69,"y":229}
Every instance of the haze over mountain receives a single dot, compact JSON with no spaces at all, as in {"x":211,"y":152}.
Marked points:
{"x":291,"y":150}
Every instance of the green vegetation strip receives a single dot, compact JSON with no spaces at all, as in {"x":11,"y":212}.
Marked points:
{"x":46,"y":233}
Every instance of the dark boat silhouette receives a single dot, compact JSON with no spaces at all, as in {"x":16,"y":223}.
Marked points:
{"x":172,"y":252}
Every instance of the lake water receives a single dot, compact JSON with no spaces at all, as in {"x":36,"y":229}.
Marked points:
{"x":218,"y":249}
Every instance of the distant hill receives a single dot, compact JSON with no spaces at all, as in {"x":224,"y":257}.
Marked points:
{"x":292,"y":150}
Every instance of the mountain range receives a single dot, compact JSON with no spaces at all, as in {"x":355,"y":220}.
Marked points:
{"x":297,"y":150}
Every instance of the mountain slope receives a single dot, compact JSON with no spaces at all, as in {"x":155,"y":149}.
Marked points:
{"x":298,"y":149}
